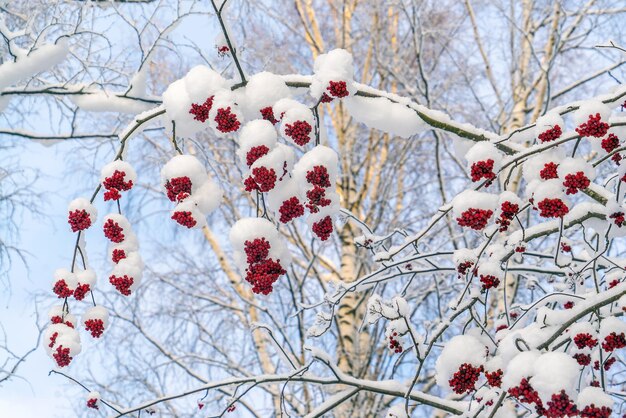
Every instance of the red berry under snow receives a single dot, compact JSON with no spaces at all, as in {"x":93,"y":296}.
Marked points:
{"x":226,"y":120}
{"x":79,"y":220}
{"x":95,"y":327}
{"x":122,"y":284}
{"x":483,"y":170}
{"x":475,"y":218}
{"x":337,"y":89}
{"x":268,"y":114}
{"x":255,"y":153}
{"x":576,"y":182}
{"x":113,"y":231}
{"x":550,"y":134}
{"x":177,"y":187}
{"x":184,"y":218}
{"x":549,"y":171}
{"x":464,"y":380}
{"x":323,"y":228}
{"x":552,"y":208}
{"x":201,"y":111}
{"x":290,"y":209}
{"x":593,"y":127}
{"x":299,"y":131}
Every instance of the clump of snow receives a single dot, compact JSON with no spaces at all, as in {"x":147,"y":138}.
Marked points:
{"x":118,"y":165}
{"x":519,"y":367}
{"x":255,"y":133}
{"x":335,"y":66}
{"x":247,"y":229}
{"x":594,"y":396}
{"x":554,"y":372}
{"x":184,"y":166}
{"x":263,"y":90}
{"x":97,"y":312}
{"x":591,"y":108}
{"x":471,"y":199}
{"x":459,"y":350}
{"x":84,"y":204}
{"x":383,"y":114}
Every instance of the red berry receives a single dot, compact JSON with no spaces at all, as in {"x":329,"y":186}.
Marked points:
{"x":255,"y":153}
{"x":576,"y":182}
{"x":508,"y":211}
{"x":95,"y":327}
{"x":62,"y":356}
{"x":256,"y":250}
{"x":81,"y":291}
{"x":299,"y":131}
{"x":475,"y":218}
{"x":226,"y":120}
{"x":178,"y":187}
{"x":117,"y":255}
{"x":184,"y":218}
{"x":593,"y":411}
{"x":494,"y":378}
{"x":92,"y":403}
{"x":263,"y":274}
{"x":568,"y":305}
{"x":112,"y":194}
{"x":317,"y":198}
{"x":549,"y":171}
{"x":618,"y":218}
{"x":113,"y":231}
{"x":561,"y":406}
{"x":116,"y":181}
{"x":550,"y":134}
{"x":614,"y":341}
{"x":464,"y":380}
{"x":483,"y":169}
{"x":337,"y":89}
{"x":62,"y":290}
{"x":610,"y":143}
{"x":583,"y":359}
{"x":290,"y":209}
{"x":122,"y":284}
{"x":552,"y":208}
{"x":463,"y":267}
{"x":593,"y":127}
{"x":268,"y":114}
{"x":201,"y":111}
{"x":323,"y":228}
{"x":583,"y":340}
{"x":79,"y":220}
{"x":326,"y":98}
{"x":318,"y":176}
{"x":262,"y":179}
{"x":489,"y":281}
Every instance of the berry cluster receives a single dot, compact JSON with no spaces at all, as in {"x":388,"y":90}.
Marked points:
{"x":618,"y":218}
{"x":463,"y":267}
{"x":337,"y":89}
{"x":262,"y":271}
{"x":262,"y":179}
{"x":610,"y":143}
{"x":582,"y":359}
{"x":299,"y":131}
{"x":552,"y":208}
{"x":576,"y":182}
{"x":475,"y":218}
{"x":592,"y":411}
{"x":549,"y":171}
{"x":184,"y":218}
{"x":525,"y":393}
{"x":614,"y":341}
{"x":323,"y":228}
{"x":464,"y":380}
{"x":81,"y":291}
{"x":79,"y":220}
{"x":560,"y":405}
{"x":95,"y":327}
{"x":178,"y":188}
{"x":568,"y":305}
{"x":483,"y":169}
{"x":62,"y":356}
{"x":583,"y":340}
{"x":326,"y":98}
{"x":508,"y":211}
{"x":489,"y":281}
{"x":226,"y":120}
{"x":255,"y":153}
{"x":593,"y":127}
{"x":115,"y":184}
{"x":122,"y":283}
{"x":617,"y":158}
{"x":268,"y":114}
{"x":290,"y":210}
{"x":113,"y":231}
{"x":62,"y":289}
{"x":222,"y":50}
{"x":551,"y":134}
{"x":200,"y":112}
{"x":118,"y":254}
{"x":92,"y":403}
{"x":494,"y":378}
{"x":394,"y":344}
